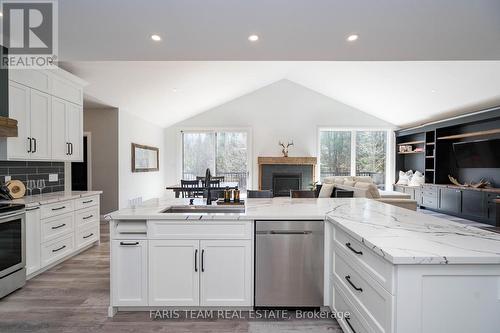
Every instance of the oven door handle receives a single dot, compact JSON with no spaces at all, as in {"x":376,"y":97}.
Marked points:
{"x":5,"y":217}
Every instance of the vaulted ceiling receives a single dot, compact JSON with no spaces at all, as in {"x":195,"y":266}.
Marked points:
{"x":401,"y":93}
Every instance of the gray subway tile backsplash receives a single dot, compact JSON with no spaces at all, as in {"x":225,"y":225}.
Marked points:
{"x":26,"y":170}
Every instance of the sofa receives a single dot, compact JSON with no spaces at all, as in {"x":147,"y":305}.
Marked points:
{"x":363,"y":187}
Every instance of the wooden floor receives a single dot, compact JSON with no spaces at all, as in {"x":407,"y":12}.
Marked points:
{"x":74,"y":296}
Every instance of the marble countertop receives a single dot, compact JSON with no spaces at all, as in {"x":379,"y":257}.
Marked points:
{"x":36,"y":200}
{"x":399,"y":235}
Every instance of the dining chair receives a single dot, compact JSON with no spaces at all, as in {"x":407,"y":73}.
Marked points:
{"x":259,"y":194}
{"x":302,"y":194}
{"x":189,"y":188}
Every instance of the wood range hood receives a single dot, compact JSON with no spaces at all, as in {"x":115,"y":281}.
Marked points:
{"x":8,"y":127}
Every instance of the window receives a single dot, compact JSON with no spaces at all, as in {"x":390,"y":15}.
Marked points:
{"x":354,"y":152}
{"x":225,"y":153}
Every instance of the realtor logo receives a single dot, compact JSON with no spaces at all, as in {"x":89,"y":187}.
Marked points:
{"x":29,"y":31}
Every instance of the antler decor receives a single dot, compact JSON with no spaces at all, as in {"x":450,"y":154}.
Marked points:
{"x":284,"y":151}
{"x":481,"y":184}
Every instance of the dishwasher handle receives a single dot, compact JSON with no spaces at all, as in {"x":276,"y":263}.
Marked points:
{"x":285,"y":232}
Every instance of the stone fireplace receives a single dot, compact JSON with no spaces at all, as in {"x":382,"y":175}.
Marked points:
{"x":282,"y":174}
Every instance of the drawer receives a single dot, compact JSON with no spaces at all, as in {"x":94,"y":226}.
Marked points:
{"x":57,"y":249}
{"x":57,"y":208}
{"x":57,"y":226}
{"x":210,"y":229}
{"x":86,"y":216}
{"x":369,"y":297}
{"x":86,"y":202}
{"x":349,"y":318}
{"x":430,"y":202}
{"x":492,"y":197}
{"x":37,"y":79}
{"x":378,"y":268}
{"x":87,"y":235}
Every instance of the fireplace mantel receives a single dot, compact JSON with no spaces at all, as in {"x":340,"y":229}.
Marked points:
{"x":288,"y":164}
{"x":287,"y":160}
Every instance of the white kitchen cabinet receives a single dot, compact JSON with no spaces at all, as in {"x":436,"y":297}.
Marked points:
{"x":19,"y":109}
{"x":74,"y":131}
{"x":48,"y":108}
{"x":67,"y":130}
{"x":40,"y":125}
{"x":226,"y":273}
{"x":33,"y":239}
{"x":129,"y":269}
{"x":174,"y":268}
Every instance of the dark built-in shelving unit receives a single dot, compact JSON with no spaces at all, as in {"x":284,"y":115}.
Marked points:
{"x":437,"y":161}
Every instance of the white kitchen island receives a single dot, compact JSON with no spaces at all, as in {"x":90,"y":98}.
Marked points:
{"x":393,"y":270}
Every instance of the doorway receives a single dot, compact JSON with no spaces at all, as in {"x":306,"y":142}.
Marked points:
{"x":81,"y":172}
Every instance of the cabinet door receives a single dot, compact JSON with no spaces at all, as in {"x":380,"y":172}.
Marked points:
{"x":74,"y":131}
{"x":473,"y":203}
{"x":411,"y":192}
{"x":174,"y":272}
{"x":60,"y":148}
{"x":226,"y":272}
{"x":449,"y":200}
{"x":129,"y":272}
{"x":33,"y":240}
{"x":19,"y":109}
{"x":40,"y":111}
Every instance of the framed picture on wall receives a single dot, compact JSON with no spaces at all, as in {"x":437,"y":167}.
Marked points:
{"x":145,"y":158}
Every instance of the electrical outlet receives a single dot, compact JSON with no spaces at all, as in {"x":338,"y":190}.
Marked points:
{"x":53,"y":177}
{"x":7,"y":178}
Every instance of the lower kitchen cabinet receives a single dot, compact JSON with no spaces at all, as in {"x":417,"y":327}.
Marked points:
{"x":33,"y":236}
{"x":129,"y":259}
{"x":473,"y":204}
{"x":226,"y":272}
{"x":174,"y":267}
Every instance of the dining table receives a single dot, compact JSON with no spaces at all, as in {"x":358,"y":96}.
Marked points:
{"x":178,"y":189}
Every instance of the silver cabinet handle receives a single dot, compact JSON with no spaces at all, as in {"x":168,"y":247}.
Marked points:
{"x":129,"y":244}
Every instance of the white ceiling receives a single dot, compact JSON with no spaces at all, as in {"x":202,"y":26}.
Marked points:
{"x":401,"y":93}
{"x":97,"y":30}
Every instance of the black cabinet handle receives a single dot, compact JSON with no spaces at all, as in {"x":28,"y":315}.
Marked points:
{"x":196,"y":260}
{"x":348,"y":279}
{"x":129,"y":244}
{"x":29,"y":150}
{"x":348,"y":321}
{"x":30,"y":209}
{"x":203,"y":260}
{"x":353,"y":250}
{"x":59,"y":208}
{"x":59,"y":226}
{"x":87,"y":217}
{"x":71,"y":148}
{"x":59,"y":249}
{"x":67,"y":148}
{"x":91,"y":234}
{"x":88,"y":201}
{"x":34,"y":145}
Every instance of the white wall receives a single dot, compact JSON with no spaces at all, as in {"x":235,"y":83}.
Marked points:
{"x":146,"y":184}
{"x":281,"y":111}
{"x":103,"y":126}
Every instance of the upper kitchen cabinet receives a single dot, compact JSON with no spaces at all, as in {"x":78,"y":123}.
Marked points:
{"x":48,"y":107}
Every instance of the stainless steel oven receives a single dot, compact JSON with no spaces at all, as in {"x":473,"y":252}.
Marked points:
{"x":12,"y":248}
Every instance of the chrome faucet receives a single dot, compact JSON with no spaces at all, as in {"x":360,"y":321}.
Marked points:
{"x":208,"y":176}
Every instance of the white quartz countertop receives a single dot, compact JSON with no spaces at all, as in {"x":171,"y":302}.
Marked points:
{"x":36,"y":200}
{"x":399,"y":235}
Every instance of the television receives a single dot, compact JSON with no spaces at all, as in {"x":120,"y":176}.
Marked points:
{"x":477,"y":154}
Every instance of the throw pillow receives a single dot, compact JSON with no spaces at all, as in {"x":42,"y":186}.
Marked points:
{"x":417,"y":179}
{"x":326,"y":190}
{"x":404,"y":177}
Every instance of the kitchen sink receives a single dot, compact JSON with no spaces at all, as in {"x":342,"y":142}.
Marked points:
{"x":204,"y":209}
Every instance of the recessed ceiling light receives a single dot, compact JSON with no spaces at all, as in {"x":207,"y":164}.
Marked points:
{"x":156,"y":38}
{"x":433,"y":90}
{"x":253,"y":38}
{"x":174,"y":90}
{"x":352,"y":38}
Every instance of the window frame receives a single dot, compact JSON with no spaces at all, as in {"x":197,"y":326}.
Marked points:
{"x":389,"y":160}
{"x":180,"y":149}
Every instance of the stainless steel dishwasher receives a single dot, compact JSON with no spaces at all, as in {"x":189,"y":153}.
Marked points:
{"x":289,"y":263}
